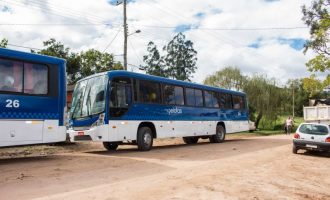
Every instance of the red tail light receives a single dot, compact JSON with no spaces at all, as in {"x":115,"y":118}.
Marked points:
{"x":327,"y":140}
{"x":296,"y":136}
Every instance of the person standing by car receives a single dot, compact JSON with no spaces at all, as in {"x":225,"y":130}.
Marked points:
{"x":288,"y":125}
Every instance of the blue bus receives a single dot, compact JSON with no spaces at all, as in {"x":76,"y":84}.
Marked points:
{"x":32,"y":98}
{"x":120,"y":107}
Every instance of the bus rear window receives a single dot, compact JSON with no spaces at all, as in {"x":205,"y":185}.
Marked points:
{"x":13,"y":73}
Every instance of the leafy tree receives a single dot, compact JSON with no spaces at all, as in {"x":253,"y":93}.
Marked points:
{"x":4,"y":43}
{"x":312,"y":85}
{"x":181,"y":58}
{"x":301,"y":97}
{"x":80,"y":65}
{"x":93,"y":61}
{"x":154,"y":62}
{"x":228,"y":78}
{"x":57,"y":49}
{"x":264,"y":96}
{"x":315,"y":87}
{"x":317,"y":17}
{"x":178,"y":62}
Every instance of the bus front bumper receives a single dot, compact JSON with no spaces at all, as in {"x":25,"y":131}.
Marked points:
{"x":91,"y":134}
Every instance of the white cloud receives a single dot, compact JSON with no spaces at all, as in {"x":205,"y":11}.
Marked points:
{"x":216,"y":48}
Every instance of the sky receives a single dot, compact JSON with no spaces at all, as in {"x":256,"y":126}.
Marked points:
{"x":257,"y":36}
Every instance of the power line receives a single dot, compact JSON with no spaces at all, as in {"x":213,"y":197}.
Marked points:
{"x":162,"y":27}
{"x":111,"y":41}
{"x":15,"y":45}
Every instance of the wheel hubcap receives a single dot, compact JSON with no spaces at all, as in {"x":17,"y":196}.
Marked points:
{"x":147,"y":138}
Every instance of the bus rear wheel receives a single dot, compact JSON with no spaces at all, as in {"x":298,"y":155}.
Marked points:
{"x":190,"y":140}
{"x":144,"y":139}
{"x":219,"y":136}
{"x":110,"y":146}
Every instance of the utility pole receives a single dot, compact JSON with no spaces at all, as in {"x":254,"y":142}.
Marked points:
{"x":292,"y":100}
{"x":125,"y":35}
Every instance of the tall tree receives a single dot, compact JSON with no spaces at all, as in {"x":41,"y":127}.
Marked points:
{"x":4,"y":43}
{"x":178,"y":62}
{"x":317,"y":17}
{"x":181,"y":58}
{"x":154,"y":62}
{"x":228,"y":78}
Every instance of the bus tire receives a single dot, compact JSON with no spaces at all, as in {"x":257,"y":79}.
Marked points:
{"x":219,"y":136}
{"x":144,"y":138}
{"x":190,"y":140}
{"x":110,"y":146}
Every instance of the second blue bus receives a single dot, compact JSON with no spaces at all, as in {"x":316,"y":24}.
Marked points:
{"x":120,"y":107}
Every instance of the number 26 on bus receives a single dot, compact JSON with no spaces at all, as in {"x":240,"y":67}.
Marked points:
{"x":12,"y":103}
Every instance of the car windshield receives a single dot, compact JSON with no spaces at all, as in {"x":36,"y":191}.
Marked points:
{"x":314,"y":129}
{"x":88,"y":97}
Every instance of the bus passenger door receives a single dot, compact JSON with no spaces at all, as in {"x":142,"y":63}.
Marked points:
{"x":119,"y":103}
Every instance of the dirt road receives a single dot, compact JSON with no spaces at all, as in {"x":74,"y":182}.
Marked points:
{"x":240,"y":168}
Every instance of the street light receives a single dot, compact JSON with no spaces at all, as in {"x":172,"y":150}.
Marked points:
{"x":137,"y":31}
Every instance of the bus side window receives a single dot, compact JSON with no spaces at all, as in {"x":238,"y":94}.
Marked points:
{"x":11,"y":76}
{"x":35,"y":79}
{"x":190,"y":97}
{"x":208,"y":99}
{"x":149,"y":92}
{"x":173,"y":95}
{"x":199,"y":98}
{"x":238,"y":102}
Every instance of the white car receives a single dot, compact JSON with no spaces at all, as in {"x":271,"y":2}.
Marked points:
{"x":312,"y":136}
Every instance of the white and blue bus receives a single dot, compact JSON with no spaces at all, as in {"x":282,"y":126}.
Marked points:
{"x":120,"y":107}
{"x":32,"y":98}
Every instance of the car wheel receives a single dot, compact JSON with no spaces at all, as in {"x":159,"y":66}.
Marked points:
{"x":190,"y":140}
{"x":110,"y":146}
{"x":144,"y":139}
{"x":219,"y":136}
{"x":294,"y":149}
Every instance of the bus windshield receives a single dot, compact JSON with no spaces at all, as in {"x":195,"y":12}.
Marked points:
{"x":89,"y":97}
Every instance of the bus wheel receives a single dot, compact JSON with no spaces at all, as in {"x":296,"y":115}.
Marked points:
{"x":144,"y":139}
{"x":110,"y":146}
{"x":190,"y":140}
{"x":219,"y":135}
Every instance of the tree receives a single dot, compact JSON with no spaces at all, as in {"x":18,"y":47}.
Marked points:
{"x":181,"y":58}
{"x":57,"y":49}
{"x":93,"y":61}
{"x":315,"y":87}
{"x":317,"y":17}
{"x":80,"y":65}
{"x":4,"y":43}
{"x":154,"y":62}
{"x":178,"y":62}
{"x":264,"y":96}
{"x":228,"y":78}
{"x":312,"y":85}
